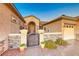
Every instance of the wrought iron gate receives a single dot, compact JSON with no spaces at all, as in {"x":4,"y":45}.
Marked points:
{"x":33,"y":39}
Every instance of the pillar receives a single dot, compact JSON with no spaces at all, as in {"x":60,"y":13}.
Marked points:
{"x":41,"y":37}
{"x":23,"y":37}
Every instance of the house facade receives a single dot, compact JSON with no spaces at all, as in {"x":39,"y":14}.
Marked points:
{"x":10,"y":23}
{"x":66,"y":25}
{"x":32,"y":23}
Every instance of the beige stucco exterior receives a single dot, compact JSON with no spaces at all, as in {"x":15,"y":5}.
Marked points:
{"x":77,"y":30}
{"x":64,"y":25}
{"x":53,"y":26}
{"x":68,"y":26}
{"x":33,"y":19}
{"x":9,"y":23}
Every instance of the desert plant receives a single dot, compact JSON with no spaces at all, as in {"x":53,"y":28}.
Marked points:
{"x":61,"y":42}
{"x":50,"y":44}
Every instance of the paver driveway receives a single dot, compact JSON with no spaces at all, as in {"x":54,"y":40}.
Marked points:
{"x":70,"y":50}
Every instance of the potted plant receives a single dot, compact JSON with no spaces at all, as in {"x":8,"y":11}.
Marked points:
{"x":22,"y":47}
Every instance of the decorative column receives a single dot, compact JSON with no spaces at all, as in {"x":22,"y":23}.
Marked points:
{"x":23,"y":37}
{"x":37,"y":28}
{"x":41,"y":37}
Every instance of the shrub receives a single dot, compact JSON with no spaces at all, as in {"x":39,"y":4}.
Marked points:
{"x":22,"y":45}
{"x":50,"y":44}
{"x":61,"y":42}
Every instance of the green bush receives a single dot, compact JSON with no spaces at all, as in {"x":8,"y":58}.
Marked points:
{"x":22,"y":45}
{"x":61,"y":42}
{"x":50,"y":44}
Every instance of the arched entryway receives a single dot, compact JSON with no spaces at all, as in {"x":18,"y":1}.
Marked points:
{"x":31,"y":27}
{"x":32,"y":37}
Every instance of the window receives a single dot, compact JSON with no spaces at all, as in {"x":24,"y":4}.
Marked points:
{"x":21,"y":27}
{"x":72,"y":26}
{"x":13,"y":20}
{"x":68,"y":25}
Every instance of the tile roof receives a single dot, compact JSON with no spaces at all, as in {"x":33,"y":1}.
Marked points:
{"x":62,"y":17}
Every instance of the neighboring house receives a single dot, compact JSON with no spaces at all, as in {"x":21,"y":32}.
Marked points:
{"x":68,"y":26}
{"x":10,"y":23}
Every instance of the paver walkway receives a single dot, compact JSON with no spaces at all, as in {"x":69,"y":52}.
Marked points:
{"x":71,"y":50}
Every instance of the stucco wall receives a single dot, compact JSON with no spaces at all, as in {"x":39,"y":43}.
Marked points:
{"x":32,"y":19}
{"x":77,"y":30}
{"x":53,"y":27}
{"x":7,"y":25}
{"x":61,"y":26}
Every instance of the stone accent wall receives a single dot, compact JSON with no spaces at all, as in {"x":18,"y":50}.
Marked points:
{"x":52,"y":36}
{"x":3,"y":46}
{"x":14,"y":41}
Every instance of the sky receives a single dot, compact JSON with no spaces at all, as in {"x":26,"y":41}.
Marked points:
{"x":48,"y":11}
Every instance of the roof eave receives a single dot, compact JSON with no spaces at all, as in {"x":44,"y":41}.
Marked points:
{"x":15,"y":10}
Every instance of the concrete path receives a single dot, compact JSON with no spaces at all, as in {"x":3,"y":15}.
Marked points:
{"x":70,"y":50}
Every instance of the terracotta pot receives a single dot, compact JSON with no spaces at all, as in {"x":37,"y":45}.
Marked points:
{"x":22,"y":49}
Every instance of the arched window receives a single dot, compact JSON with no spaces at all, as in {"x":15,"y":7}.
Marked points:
{"x":13,"y":20}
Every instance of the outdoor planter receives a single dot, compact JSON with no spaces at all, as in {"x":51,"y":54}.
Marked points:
{"x":22,"y":48}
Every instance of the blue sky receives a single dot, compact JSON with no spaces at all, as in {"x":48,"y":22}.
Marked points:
{"x":48,"y":11}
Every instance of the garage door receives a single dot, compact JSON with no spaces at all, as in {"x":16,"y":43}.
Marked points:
{"x":69,"y":32}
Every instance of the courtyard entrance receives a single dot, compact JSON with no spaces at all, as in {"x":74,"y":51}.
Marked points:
{"x":33,"y":39}
{"x":32,"y":36}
